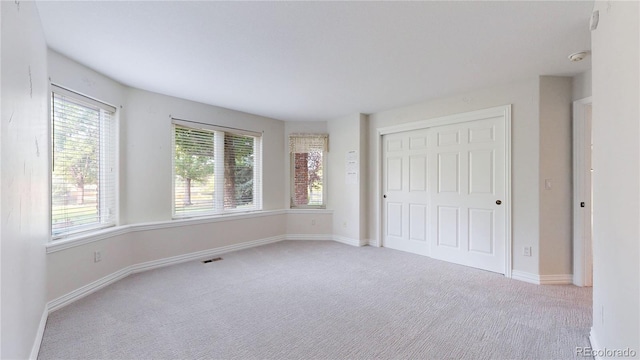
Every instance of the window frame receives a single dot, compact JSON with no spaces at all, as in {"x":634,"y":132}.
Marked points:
{"x":218,"y":200}
{"x":292,"y":188}
{"x":293,"y":150}
{"x":105,"y":161}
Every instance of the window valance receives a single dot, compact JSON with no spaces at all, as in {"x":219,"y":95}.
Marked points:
{"x":301,"y":143}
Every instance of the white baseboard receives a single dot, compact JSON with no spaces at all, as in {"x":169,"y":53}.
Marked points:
{"x":90,"y":288}
{"x":35,"y":350}
{"x":525,"y":276}
{"x":349,"y":241}
{"x":374,"y":243}
{"x":308,"y":237}
{"x":337,"y":238}
{"x":563,"y":279}
{"x":594,"y":343}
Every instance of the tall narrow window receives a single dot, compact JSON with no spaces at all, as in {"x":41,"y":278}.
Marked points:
{"x":83,"y":187}
{"x":308,"y":152}
{"x":216,"y":170}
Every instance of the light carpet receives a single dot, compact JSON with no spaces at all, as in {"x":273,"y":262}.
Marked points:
{"x":321,"y":300}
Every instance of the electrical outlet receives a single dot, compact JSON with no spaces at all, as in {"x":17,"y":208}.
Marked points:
{"x":526,"y":251}
{"x":313,"y":221}
{"x":97,"y":256}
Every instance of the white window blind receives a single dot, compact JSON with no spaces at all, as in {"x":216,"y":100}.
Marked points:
{"x":308,"y":187}
{"x":83,"y":186}
{"x":193,"y":162}
{"x":215,"y":171}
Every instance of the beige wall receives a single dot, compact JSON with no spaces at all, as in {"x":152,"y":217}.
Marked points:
{"x":24,"y":178}
{"x":616,"y":176}
{"x":345,"y":199}
{"x":163,"y":243}
{"x":73,"y":268}
{"x":555,"y":165}
{"x":77,"y":77}
{"x":581,"y":87}
{"x":309,"y":222}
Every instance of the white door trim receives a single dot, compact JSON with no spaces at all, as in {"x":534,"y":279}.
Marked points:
{"x":505,"y":112}
{"x":582,"y":254}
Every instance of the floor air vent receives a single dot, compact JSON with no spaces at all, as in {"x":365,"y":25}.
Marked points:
{"x":212,"y":260}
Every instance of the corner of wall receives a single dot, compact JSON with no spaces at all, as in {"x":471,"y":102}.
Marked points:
{"x":364,"y":177}
{"x":24,"y":177}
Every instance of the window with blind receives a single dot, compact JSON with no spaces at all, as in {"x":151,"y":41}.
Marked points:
{"x":83,"y":182}
{"x":308,"y":158}
{"x":215,"y":170}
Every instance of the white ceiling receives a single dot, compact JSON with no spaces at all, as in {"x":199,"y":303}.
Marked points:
{"x":318,"y":60}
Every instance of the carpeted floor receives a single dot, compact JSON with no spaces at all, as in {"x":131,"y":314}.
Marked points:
{"x":321,"y":300}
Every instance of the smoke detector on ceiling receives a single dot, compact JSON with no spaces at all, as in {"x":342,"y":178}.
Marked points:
{"x":575,"y":57}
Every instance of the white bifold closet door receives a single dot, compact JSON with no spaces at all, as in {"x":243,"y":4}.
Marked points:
{"x":467,"y":191}
{"x":444,"y":190}
{"x":405,"y":191}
